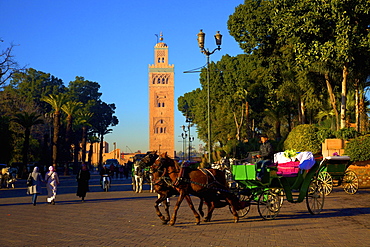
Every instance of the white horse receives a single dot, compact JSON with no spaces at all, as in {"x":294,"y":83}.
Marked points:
{"x":149,"y":179}
{"x":137,"y":177}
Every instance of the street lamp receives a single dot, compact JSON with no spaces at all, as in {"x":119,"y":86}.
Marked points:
{"x":201,"y":40}
{"x":189,"y":120}
{"x":184,"y":136}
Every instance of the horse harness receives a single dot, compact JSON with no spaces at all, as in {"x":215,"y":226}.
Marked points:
{"x":205,"y":171}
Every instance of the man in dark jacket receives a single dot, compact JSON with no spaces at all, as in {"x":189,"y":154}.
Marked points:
{"x":266,"y":154}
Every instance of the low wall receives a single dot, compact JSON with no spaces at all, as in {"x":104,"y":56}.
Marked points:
{"x":363,"y":174}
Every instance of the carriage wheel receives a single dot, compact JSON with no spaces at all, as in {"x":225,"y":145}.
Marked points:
{"x":315,"y":197}
{"x":269,"y":204}
{"x":350,"y":182}
{"x":245,"y":203}
{"x":326,"y":181}
{"x":280,"y":193}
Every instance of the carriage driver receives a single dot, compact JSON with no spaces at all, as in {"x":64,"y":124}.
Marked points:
{"x":266,"y":153}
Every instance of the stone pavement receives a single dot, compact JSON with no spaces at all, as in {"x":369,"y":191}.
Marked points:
{"x":123,"y":218}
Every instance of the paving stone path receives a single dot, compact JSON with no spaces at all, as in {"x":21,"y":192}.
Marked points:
{"x":123,"y":218}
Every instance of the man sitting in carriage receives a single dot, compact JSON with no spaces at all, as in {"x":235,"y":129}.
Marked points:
{"x":266,"y":154}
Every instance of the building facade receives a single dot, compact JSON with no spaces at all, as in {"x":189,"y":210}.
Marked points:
{"x":161,"y":101}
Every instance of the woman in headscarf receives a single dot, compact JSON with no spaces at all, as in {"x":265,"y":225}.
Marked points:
{"x":52,"y":181}
{"x":83,"y":177}
{"x":35,"y":188}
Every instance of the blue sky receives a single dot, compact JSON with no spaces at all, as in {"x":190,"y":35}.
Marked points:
{"x":111,"y":42}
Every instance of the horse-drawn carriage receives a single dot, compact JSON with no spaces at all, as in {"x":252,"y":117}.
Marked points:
{"x":294,"y":180}
{"x":335,"y":172}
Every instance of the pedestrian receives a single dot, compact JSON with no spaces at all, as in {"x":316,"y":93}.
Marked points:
{"x":35,"y":188}
{"x":83,"y":178}
{"x":121,"y":169}
{"x":52,"y":182}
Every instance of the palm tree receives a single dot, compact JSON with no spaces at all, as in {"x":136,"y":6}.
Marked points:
{"x":101,"y":130}
{"x":56,"y":101}
{"x":84,"y":119}
{"x":92,"y":139}
{"x":70,"y":108}
{"x":27,"y":120}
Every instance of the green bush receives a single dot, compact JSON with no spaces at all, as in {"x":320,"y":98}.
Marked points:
{"x":358,"y":149}
{"x":303,"y":138}
{"x":346,"y":133}
{"x":325,"y":133}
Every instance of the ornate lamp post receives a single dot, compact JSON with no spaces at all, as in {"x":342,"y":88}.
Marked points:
{"x":201,"y":39}
{"x":184,"y":135}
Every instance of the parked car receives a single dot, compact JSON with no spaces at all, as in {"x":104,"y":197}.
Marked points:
{"x":109,"y":162}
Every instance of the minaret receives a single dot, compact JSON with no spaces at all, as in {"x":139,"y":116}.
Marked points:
{"x":161,"y":101}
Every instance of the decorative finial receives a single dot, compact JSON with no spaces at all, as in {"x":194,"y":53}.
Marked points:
{"x":161,"y":36}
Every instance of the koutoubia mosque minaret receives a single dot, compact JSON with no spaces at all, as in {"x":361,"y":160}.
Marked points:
{"x":161,"y":101}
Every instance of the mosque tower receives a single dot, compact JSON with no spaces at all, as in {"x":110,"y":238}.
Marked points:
{"x":161,"y":101}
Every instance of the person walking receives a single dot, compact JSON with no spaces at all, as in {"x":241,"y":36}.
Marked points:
{"x":52,"y":182}
{"x":35,"y":188}
{"x":83,"y":178}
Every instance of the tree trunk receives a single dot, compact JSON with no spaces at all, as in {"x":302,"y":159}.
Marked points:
{"x":101,"y":150}
{"x":83,"y":144}
{"x":362,"y":113}
{"x":344,"y":97}
{"x":76,"y":152}
{"x":56,"y":125}
{"x":89,"y":158}
{"x":333,"y":100}
{"x":278,"y":130}
{"x":299,"y":113}
{"x":238,"y":125}
{"x":247,"y":120}
{"x":69,"y":138}
{"x":25,"y":148}
{"x":357,"y":105}
{"x":302,"y":110}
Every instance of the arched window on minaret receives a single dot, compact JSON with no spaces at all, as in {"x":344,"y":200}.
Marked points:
{"x":162,"y":59}
{"x":159,"y":60}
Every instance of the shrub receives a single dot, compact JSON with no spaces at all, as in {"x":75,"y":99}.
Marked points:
{"x":325,"y":133}
{"x":358,"y":149}
{"x":303,"y":138}
{"x":346,"y":133}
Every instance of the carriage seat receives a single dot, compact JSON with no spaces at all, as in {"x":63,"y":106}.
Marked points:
{"x":288,"y":169}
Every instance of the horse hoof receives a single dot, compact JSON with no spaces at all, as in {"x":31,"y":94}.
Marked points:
{"x":172,"y":223}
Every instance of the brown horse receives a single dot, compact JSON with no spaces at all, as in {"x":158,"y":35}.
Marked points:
{"x":160,"y":186}
{"x":208,"y":184}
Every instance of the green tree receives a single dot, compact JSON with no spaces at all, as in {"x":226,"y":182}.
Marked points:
{"x":27,"y":121}
{"x":70,"y":108}
{"x":102,"y":119}
{"x":32,"y":85}
{"x":84,"y":119}
{"x":56,"y":101}
{"x":332,"y":31}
